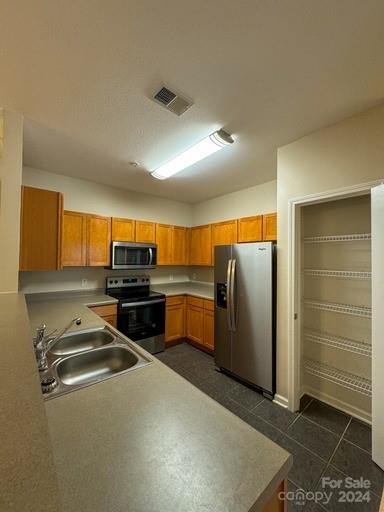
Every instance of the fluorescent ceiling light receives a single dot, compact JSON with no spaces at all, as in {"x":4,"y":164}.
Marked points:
{"x":202,"y":149}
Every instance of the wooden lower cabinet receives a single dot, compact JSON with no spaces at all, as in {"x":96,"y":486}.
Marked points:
{"x":195,"y":324}
{"x":209,"y":329}
{"x":174,"y":318}
{"x":201,"y":322}
{"x":192,"y":318}
{"x":277,"y":502}
{"x":107,"y":313}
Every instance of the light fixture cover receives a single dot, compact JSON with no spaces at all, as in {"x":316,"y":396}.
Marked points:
{"x":202,"y":149}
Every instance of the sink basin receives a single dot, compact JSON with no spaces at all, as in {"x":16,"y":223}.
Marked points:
{"x":95,"y":365}
{"x":81,"y":341}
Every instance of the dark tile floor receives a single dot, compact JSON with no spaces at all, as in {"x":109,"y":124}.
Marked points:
{"x":324,"y":441}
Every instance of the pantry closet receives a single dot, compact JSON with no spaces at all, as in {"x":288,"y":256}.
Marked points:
{"x":336,"y":303}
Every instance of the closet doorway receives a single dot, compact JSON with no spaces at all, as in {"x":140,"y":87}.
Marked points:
{"x":334,"y":328}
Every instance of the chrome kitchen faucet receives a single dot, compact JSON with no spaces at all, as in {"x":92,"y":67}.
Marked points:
{"x":43,"y":343}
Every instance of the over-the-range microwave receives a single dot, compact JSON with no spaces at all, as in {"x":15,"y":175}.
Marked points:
{"x":133,"y":255}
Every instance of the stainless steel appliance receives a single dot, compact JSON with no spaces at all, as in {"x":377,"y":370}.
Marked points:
{"x":140,"y":311}
{"x":245,"y":312}
{"x":133,"y":255}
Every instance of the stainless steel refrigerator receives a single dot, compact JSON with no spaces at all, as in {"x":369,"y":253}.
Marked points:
{"x":245,"y":306}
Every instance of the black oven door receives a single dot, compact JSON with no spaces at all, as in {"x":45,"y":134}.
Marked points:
{"x":133,"y":255}
{"x":143,"y":321}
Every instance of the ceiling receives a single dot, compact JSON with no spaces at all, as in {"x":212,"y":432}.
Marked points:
{"x":267,"y":71}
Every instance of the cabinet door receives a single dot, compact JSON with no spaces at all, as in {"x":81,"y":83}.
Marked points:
{"x":179,"y":245}
{"x":250,"y":229}
{"x":41,"y":224}
{"x":164,"y":244}
{"x":111,"y":319}
{"x":270,"y":226}
{"x":145,"y":231}
{"x":209,"y":329}
{"x":99,"y":241}
{"x":195,"y":324}
{"x":174,"y":322}
{"x":201,"y":245}
{"x":123,"y":230}
{"x":74,"y":246}
{"x":223,"y":233}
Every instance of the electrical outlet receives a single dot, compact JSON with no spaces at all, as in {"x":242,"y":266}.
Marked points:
{"x":194,"y":276}
{"x":171,"y":277}
{"x":84,"y":283}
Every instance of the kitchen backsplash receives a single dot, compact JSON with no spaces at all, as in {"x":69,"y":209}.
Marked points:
{"x":89,"y":278}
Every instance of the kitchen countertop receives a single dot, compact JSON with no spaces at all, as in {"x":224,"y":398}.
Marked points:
{"x":196,"y":288}
{"x":145,"y":441}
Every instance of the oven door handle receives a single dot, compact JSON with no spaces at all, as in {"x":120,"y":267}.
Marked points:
{"x":141,"y":303}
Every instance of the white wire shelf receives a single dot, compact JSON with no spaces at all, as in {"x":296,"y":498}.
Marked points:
{"x":342,"y":378}
{"x":345,"y":309}
{"x":339,"y":342}
{"x":341,"y":274}
{"x":338,"y":238}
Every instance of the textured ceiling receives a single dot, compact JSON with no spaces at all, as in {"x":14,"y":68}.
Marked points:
{"x":267,"y":71}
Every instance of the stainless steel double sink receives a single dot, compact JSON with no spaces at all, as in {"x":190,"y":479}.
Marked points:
{"x":86,"y":357}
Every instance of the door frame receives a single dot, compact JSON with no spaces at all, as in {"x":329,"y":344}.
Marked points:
{"x":294,"y":310}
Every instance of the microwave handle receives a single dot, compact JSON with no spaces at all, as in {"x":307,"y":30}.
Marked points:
{"x":150,"y":255}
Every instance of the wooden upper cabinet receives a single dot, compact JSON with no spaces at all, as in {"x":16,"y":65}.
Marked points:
{"x":179,"y":245}
{"x":145,"y":231}
{"x":40,"y":229}
{"x":200,"y":245}
{"x":224,"y":233}
{"x":98,"y":241}
{"x":250,"y":229}
{"x":123,"y":230}
{"x":270,"y":226}
{"x":164,"y":244}
{"x":74,"y":247}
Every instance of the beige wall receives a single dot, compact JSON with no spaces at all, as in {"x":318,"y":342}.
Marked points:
{"x":10,"y":181}
{"x":87,"y":196}
{"x":344,"y":154}
{"x":244,"y":203}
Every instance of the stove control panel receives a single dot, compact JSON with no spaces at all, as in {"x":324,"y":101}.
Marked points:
{"x":127,"y":281}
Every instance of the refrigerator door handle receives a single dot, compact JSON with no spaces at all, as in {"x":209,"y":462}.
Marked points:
{"x":232,"y":296}
{"x":229,"y":275}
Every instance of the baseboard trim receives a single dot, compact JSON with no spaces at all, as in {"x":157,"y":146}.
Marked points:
{"x":281,"y":400}
{"x":339,"y":404}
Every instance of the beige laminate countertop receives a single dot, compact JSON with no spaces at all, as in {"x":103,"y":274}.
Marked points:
{"x":195,"y":288}
{"x":144,"y":441}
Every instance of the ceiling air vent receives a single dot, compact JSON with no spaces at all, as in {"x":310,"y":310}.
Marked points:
{"x":172,"y":101}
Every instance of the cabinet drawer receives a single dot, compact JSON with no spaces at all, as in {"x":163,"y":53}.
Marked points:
{"x":194,"y":301}
{"x":177,"y":299}
{"x":107,"y":310}
{"x":209,"y":305}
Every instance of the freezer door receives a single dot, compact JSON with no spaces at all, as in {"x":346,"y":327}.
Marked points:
{"x":252,"y":338}
{"x":222,"y":306}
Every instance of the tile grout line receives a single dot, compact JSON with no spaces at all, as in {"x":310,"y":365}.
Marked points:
{"x":326,"y":428}
{"x":333,"y":453}
{"x":300,"y":413}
